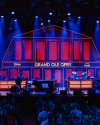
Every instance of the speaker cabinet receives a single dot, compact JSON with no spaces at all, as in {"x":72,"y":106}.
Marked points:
{"x":63,"y":92}
{"x":91,"y":92}
{"x":77,"y":92}
{"x":9,"y":94}
{"x":26,"y":92}
{"x":49,"y":92}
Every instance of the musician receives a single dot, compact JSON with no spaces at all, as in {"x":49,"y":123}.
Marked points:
{"x":18,"y":82}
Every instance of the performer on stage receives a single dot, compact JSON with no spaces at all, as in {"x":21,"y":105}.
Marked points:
{"x":18,"y":82}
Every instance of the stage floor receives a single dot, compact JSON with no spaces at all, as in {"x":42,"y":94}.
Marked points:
{"x":57,"y":92}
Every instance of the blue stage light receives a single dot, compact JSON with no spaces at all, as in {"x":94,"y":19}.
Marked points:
{"x":68,"y":14}
{"x":36,"y":16}
{"x":50,"y":13}
{"x":10,"y":28}
{"x":2,"y":16}
{"x":97,"y":21}
{"x":12,"y":12}
{"x":41,"y":24}
{"x":79,"y":17}
{"x":48,"y":21}
{"x":64,"y":21}
{"x":15,"y":19}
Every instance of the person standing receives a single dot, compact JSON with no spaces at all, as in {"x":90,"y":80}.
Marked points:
{"x":18,"y":82}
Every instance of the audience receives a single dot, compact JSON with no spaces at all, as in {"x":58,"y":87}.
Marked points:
{"x":9,"y":113}
{"x":68,"y":111}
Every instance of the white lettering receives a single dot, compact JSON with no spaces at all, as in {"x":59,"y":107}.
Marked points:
{"x":17,"y":64}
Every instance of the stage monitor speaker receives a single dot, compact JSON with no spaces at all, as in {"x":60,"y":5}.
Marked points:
{"x":91,"y":92}
{"x":9,"y":94}
{"x":49,"y":92}
{"x":63,"y":92}
{"x":77,"y":92}
{"x":26,"y":92}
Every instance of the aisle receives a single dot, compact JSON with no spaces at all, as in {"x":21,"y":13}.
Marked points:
{"x":28,"y":119}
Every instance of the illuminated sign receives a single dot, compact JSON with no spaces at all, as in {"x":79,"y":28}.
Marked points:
{"x":87,"y":64}
{"x":17,"y":64}
{"x":53,"y":64}
{"x":28,"y":64}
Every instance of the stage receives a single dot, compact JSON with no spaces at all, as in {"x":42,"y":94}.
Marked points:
{"x":44,"y":94}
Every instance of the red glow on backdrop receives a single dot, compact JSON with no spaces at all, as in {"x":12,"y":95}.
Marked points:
{"x":91,"y":72}
{"x":18,"y":50}
{"x":86,"y":50}
{"x":68,"y":73}
{"x":47,"y":74}
{"x":3,"y":73}
{"x":36,"y":73}
{"x":26,"y":74}
{"x":64,"y":50}
{"x":99,"y":74}
{"x":40,"y":51}
{"x":52,"y":50}
{"x":28,"y":49}
{"x":58,"y":76}
{"x":79,"y":72}
{"x":76,"y":50}
{"x":13,"y":73}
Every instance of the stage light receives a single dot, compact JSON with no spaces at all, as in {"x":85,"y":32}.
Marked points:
{"x":64,"y":21}
{"x":78,"y":1}
{"x":10,"y":28}
{"x":41,"y":18}
{"x":48,"y":21}
{"x":50,"y":14}
{"x":59,"y":1}
{"x":41,"y":24}
{"x":15,"y":20}
{"x":79,"y":17}
{"x":47,"y":2}
{"x":2,"y":16}
{"x":12,"y":12}
{"x":97,"y":21}
{"x":36,"y":16}
{"x":68,"y":14}
{"x":67,"y":5}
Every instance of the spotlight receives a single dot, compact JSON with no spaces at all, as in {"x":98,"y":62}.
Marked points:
{"x":15,"y":20}
{"x":59,"y":1}
{"x":2,"y":16}
{"x":48,"y":21}
{"x":41,"y":24}
{"x":50,"y":14}
{"x":67,"y":5}
{"x":68,"y":14}
{"x":79,"y":17}
{"x":10,"y":28}
{"x":12,"y":12}
{"x":64,"y":21}
{"x":41,"y":18}
{"x":36,"y":16}
{"x":97,"y":21}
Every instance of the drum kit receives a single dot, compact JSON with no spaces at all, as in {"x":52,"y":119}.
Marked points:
{"x":75,"y":76}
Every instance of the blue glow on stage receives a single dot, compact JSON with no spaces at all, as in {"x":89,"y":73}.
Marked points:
{"x":15,"y":20}
{"x":68,"y":14}
{"x":50,"y":14}
{"x":36,"y":23}
{"x":12,"y":12}
{"x":48,"y":21}
{"x":17,"y":29}
{"x":78,"y":20}
{"x":41,"y":24}
{"x":36,"y":16}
